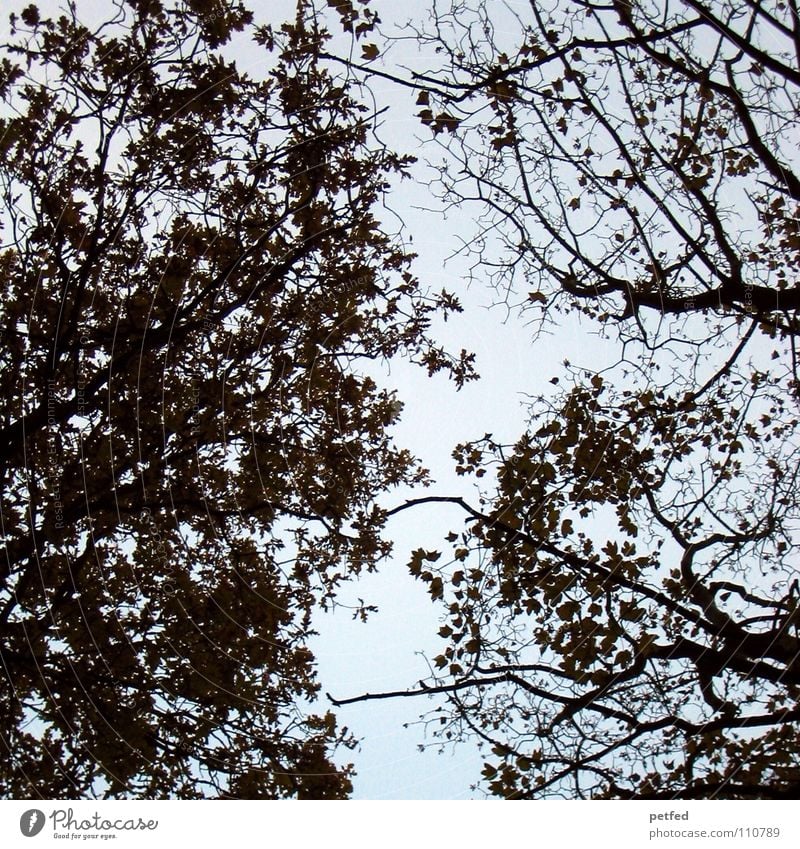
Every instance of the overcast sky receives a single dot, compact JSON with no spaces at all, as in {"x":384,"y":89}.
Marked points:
{"x":385,"y":654}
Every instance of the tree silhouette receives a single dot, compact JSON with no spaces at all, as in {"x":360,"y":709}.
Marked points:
{"x":192,"y":270}
{"x":620,"y":615}
{"x":625,"y":159}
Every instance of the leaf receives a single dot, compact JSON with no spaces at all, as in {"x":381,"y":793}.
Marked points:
{"x":445,"y":121}
{"x":369,"y":52}
{"x":30,"y":15}
{"x":568,"y":610}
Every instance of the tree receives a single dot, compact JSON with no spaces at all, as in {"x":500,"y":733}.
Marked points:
{"x":630,"y":159}
{"x":620,"y":615}
{"x":192,"y":271}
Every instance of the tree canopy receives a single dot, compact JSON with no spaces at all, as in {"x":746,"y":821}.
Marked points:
{"x":192,"y":271}
{"x":195,"y":271}
{"x":620,"y":615}
{"x":625,"y":158}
